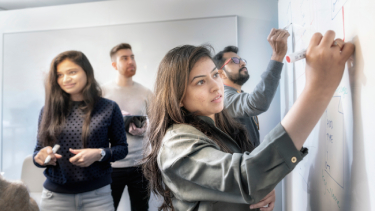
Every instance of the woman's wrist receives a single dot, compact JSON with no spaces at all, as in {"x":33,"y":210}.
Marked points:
{"x":100,"y":154}
{"x":319,"y":93}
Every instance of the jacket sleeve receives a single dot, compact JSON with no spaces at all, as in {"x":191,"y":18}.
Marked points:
{"x":257,"y":102}
{"x":196,"y":170}
{"x":117,"y":137}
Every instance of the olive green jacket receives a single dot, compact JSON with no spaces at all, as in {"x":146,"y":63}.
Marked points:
{"x":204,"y":178}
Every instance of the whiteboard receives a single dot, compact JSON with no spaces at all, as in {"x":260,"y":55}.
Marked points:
{"x":338,"y":173}
{"x":27,"y":56}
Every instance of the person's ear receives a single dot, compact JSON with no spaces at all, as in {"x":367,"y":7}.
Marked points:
{"x":181,"y":104}
{"x":222,"y":74}
{"x":114,"y":65}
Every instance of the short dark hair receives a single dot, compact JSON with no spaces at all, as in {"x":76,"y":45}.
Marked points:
{"x":118,"y":47}
{"x":218,"y":58}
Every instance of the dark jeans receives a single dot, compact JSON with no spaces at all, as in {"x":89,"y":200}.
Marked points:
{"x":137,"y":187}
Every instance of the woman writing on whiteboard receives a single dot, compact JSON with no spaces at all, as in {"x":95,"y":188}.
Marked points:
{"x":77,"y":118}
{"x":201,"y":159}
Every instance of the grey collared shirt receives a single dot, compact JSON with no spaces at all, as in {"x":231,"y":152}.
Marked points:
{"x":245,"y":106}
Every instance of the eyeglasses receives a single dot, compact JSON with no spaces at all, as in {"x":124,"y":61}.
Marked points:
{"x":235,"y":60}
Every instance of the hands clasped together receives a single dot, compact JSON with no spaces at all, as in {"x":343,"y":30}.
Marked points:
{"x":133,"y":129}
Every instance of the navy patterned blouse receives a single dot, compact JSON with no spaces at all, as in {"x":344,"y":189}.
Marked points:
{"x":106,"y":127}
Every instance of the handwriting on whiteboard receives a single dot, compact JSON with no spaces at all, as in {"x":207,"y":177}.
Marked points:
{"x":329,"y":191}
{"x":335,"y":139}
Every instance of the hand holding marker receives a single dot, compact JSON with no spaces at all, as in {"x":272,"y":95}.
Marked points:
{"x":293,"y":57}
{"x":54,"y":150}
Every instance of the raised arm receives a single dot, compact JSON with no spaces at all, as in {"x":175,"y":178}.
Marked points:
{"x":257,"y":102}
{"x":325,"y":63}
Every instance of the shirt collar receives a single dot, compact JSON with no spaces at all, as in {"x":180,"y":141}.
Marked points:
{"x":233,"y":88}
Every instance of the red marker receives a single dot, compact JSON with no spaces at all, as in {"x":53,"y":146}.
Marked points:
{"x":296,"y":56}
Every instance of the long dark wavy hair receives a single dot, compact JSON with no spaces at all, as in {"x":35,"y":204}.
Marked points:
{"x":58,"y":104}
{"x":164,"y":111}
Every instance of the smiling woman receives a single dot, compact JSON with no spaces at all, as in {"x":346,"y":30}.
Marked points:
{"x":71,"y":78}
{"x":76,"y":117}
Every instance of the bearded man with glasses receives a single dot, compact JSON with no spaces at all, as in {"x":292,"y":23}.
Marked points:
{"x":245,"y":107}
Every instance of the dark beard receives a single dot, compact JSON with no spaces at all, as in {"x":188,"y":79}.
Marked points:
{"x":238,"y":78}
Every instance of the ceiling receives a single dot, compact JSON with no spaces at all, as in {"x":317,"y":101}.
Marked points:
{"x":21,"y":4}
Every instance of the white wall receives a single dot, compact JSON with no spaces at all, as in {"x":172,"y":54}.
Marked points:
{"x":255,"y":20}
